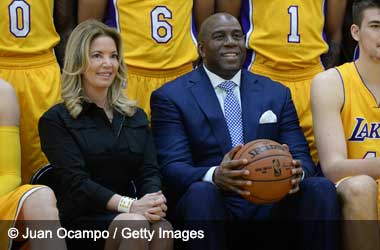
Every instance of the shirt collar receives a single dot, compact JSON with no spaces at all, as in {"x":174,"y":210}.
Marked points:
{"x":87,"y":105}
{"x":91,"y":109}
{"x":216,"y":80}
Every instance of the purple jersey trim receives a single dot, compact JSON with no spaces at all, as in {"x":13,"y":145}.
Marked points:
{"x":356,"y":53}
{"x":245,"y":17}
{"x":324,"y":17}
{"x":110,"y":18}
{"x":193,"y":26}
{"x":246,"y":25}
{"x":324,"y":37}
{"x":248,"y":59}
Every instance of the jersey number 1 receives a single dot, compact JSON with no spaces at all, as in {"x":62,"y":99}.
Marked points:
{"x":293,"y":36}
{"x":19,"y":18}
{"x":369,"y":154}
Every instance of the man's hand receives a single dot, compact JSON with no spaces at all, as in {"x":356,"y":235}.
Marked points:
{"x":230,"y":175}
{"x":297,"y":172}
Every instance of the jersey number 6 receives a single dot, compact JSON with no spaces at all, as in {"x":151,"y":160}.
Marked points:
{"x":161,"y":30}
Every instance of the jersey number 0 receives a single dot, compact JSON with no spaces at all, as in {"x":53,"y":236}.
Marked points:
{"x":19,"y":18}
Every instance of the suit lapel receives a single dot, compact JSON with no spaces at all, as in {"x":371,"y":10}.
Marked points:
{"x":204,"y":94}
{"x":251,"y":105}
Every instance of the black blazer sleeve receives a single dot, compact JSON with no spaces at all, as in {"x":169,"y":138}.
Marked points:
{"x":292,"y":135}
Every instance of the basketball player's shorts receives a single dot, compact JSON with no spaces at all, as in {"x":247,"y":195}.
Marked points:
{"x":36,"y":80}
{"x":142,"y":82}
{"x":10,"y":206}
{"x":299,"y":83}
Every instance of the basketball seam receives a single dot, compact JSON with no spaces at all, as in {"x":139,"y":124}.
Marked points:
{"x":267,"y":157}
{"x":271,"y":180}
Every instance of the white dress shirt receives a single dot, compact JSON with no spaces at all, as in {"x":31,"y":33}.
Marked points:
{"x":221,"y":95}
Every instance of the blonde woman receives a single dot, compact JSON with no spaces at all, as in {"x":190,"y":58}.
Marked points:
{"x":20,"y":205}
{"x":101,"y":148}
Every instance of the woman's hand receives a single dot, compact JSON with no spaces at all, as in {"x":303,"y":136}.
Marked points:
{"x":152,"y":206}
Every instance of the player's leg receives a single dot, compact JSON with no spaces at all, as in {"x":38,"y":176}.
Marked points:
{"x":39,"y":212}
{"x":358,"y":196}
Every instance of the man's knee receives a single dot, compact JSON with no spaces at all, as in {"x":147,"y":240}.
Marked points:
{"x":202,"y":200}
{"x":40,"y":204}
{"x":203,"y":188}
{"x":319,"y":192}
{"x":203,"y":192}
{"x":357,"y":187}
{"x":43,"y":196}
{"x":319,"y":186}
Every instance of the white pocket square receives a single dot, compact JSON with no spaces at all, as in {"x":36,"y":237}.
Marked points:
{"x":268,"y":117}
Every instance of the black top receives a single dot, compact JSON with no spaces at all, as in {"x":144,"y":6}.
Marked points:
{"x":93,"y":159}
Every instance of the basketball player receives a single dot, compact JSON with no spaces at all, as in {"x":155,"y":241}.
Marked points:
{"x":21,"y":202}
{"x":158,"y":37}
{"x":28,"y":62}
{"x":286,"y":37}
{"x":345,"y":105}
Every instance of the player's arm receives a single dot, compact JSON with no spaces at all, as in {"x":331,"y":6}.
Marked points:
{"x":229,"y":6}
{"x":202,"y":10}
{"x":9,"y":109}
{"x":64,"y":22}
{"x":327,"y":99}
{"x":333,"y":27}
{"x":88,"y":9}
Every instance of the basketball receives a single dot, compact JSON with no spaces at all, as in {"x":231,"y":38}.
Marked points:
{"x":270,"y":170}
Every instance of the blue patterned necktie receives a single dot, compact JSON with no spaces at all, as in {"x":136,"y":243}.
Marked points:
{"x":232,"y":113}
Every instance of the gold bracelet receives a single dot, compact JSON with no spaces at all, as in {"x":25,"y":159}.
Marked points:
{"x":125,"y":204}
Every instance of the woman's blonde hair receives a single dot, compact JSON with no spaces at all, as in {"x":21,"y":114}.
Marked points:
{"x":76,"y":62}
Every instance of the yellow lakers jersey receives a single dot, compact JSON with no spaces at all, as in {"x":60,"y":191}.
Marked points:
{"x":26,"y":27}
{"x":285,"y":34}
{"x":360,"y":115}
{"x":157,"y":34}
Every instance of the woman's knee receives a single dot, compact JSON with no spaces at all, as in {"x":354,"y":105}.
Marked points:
{"x":162,"y":225}
{"x":126,"y":224}
{"x":162,"y":237}
{"x":131,"y":221}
